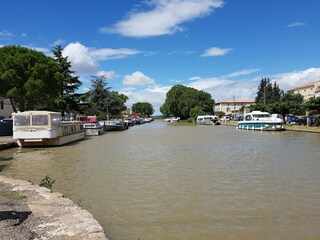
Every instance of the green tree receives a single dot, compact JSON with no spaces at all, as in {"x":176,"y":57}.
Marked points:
{"x":99,"y":95}
{"x":313,"y":104}
{"x":181,"y":99}
{"x":68,"y":83}
{"x":27,"y":78}
{"x":117,"y":103}
{"x":268,"y":92}
{"x":144,"y":108}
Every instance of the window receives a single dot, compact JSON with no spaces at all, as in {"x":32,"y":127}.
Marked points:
{"x":39,"y":120}
{"x":1,"y":105}
{"x":23,"y":120}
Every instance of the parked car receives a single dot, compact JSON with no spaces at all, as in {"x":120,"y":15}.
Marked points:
{"x":303,"y":120}
{"x":292,"y":120}
{"x":225,"y":119}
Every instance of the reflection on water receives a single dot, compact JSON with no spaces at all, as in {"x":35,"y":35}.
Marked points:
{"x":167,"y":181}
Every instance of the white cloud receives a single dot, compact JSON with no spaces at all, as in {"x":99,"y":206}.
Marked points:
{"x":108,"y":53}
{"x":242,"y":72}
{"x":155,"y":95}
{"x":213,"y":52}
{"x":80,"y":58}
{"x":4,"y":34}
{"x":137,"y":79}
{"x":296,"y":24}
{"x":165,"y":17}
{"x":296,"y":78}
{"x":106,"y":74}
{"x":84,"y":59}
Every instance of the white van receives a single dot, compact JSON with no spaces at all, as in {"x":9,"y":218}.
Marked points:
{"x":208,"y":120}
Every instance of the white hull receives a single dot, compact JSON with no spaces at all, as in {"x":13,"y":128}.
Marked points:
{"x":50,"y":142}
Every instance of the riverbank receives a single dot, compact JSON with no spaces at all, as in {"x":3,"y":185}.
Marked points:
{"x":296,"y":128}
{"x":31,"y":212}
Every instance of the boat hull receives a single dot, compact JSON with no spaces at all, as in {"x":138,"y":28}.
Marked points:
{"x":50,"y":142}
{"x":261,"y":126}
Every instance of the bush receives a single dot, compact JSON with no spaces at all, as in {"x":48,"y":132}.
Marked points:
{"x":47,"y":182}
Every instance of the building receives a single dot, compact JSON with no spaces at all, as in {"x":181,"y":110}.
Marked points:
{"x":5,"y":108}
{"x":308,"y":90}
{"x":232,"y":107}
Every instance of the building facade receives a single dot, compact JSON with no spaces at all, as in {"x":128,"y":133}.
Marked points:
{"x":308,"y":90}
{"x":232,"y":107}
{"x":5,"y":108}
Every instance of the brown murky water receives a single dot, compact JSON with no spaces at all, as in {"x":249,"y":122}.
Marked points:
{"x":174,"y":182}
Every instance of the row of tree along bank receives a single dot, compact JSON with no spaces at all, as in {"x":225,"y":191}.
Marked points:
{"x":188,"y":103}
{"x":34,"y":81}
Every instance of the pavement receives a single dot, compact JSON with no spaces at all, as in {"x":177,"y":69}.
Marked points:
{"x":31,"y":212}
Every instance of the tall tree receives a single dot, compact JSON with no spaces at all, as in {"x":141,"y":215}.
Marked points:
{"x":68,"y":83}
{"x":99,"y":94}
{"x":27,"y":78}
{"x":181,"y":99}
{"x":117,"y":103}
{"x":144,"y":108}
{"x":268,"y":92}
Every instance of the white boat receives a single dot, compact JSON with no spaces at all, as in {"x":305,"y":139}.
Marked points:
{"x":172,"y":119}
{"x":208,"y":120}
{"x":44,"y":128}
{"x":91,"y":125}
{"x":263,"y":121}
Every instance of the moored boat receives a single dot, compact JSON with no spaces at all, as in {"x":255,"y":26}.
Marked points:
{"x":114,"y":125}
{"x":91,"y":125}
{"x":45,"y":128}
{"x":208,"y":120}
{"x":262,"y":121}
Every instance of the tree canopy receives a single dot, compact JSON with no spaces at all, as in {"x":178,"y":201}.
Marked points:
{"x":270,"y":98}
{"x":27,"y":78}
{"x":268,"y":92}
{"x":144,"y":108}
{"x":181,"y":99}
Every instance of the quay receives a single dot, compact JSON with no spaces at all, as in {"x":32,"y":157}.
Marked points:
{"x":32,"y":212}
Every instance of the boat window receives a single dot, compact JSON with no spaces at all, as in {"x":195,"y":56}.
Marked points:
{"x":55,"y":120}
{"x":39,"y":120}
{"x":248,"y":118}
{"x":22,"y":120}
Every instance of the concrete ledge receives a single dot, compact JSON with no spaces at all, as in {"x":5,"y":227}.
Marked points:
{"x":31,"y":212}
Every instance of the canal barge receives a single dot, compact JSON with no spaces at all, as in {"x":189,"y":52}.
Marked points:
{"x":262,"y":121}
{"x":45,"y":128}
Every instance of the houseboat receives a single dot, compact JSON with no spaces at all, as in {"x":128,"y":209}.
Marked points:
{"x":263,"y":121}
{"x":208,"y":120}
{"x":44,"y":128}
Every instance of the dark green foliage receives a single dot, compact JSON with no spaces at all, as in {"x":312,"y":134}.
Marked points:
{"x":47,"y":182}
{"x":67,"y":84}
{"x":181,"y":99}
{"x":313,"y":104}
{"x":27,"y":77}
{"x":117,"y":103}
{"x":144,"y":108}
{"x":289,"y":103}
{"x":268,"y":92}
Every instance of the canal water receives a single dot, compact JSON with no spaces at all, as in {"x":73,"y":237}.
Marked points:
{"x":168,"y":181}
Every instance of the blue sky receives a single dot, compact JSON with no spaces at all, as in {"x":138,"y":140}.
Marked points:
{"x":223,"y":47}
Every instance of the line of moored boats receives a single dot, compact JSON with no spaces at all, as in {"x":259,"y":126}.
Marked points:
{"x":255,"y":120}
{"x":45,"y":128}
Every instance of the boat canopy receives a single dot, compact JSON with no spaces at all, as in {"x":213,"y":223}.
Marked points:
{"x":36,"y":119}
